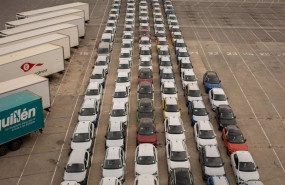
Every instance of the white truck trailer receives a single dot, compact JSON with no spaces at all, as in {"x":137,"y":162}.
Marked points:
{"x":34,"y":83}
{"x":56,"y":39}
{"x":43,"y":24}
{"x":65,"y":29}
{"x":44,"y":17}
{"x":43,"y":60}
{"x":76,"y":5}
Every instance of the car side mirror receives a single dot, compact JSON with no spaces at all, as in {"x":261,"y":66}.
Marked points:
{"x":78,"y":112}
{"x":257,"y":167}
{"x":101,"y":164}
{"x":235,"y":117}
{"x":244,"y":140}
{"x":105,"y":136}
{"x":64,"y":168}
{"x":220,"y":81}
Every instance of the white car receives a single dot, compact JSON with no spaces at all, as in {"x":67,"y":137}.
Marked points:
{"x":179,"y":44}
{"x":83,"y":136}
{"x":181,"y":54}
{"x":128,"y":45}
{"x":177,"y":155}
{"x":164,"y":62}
{"x":159,"y":27}
{"x":204,"y":134}
{"x":171,"y":108}
{"x":163,"y":52}
{"x":111,"y":31}
{"x":174,"y":129}
{"x":143,"y":14}
{"x":145,"y":52}
{"x":217,"y":97}
{"x":128,"y":29}
{"x":192,"y":92}
{"x":145,"y":62}
{"x":103,"y":63}
{"x":121,"y":94}
{"x":119,"y":112}
{"x":130,"y":15}
{"x":115,"y":136}
{"x":130,"y":22}
{"x":114,"y":163}
{"x":112,"y":24}
{"x":161,"y":42}
{"x":171,"y":18}
{"x":185,"y":65}
{"x":77,"y":167}
{"x":127,"y":37}
{"x":146,"y":160}
{"x":176,"y":36}
{"x":168,"y":89}
{"x":124,"y":79}
{"x":188,"y":76}
{"x":244,"y":167}
{"x":110,"y":181}
{"x":90,"y":111}
{"x":167,"y":75}
{"x":144,"y":41}
{"x":94,"y":91}
{"x":158,"y":21}
{"x":146,"y":179}
{"x":144,"y":26}
{"x":172,"y":23}
{"x":124,"y":66}
{"x":125,"y":54}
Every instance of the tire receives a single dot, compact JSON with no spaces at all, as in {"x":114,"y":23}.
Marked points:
{"x":15,"y":145}
{"x":3,"y":150}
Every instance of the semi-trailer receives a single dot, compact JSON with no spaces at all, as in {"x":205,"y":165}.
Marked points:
{"x":56,"y":39}
{"x":43,"y":60}
{"x":34,"y":83}
{"x":65,"y":29}
{"x":20,"y":114}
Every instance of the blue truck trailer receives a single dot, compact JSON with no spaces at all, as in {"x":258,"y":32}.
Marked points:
{"x":20,"y":114}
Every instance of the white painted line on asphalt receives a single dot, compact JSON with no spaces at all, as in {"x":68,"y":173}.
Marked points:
{"x":256,"y":118}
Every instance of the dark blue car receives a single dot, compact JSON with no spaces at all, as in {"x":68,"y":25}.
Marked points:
{"x":211,"y":80}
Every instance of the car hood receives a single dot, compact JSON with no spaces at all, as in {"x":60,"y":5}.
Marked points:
{"x":204,"y":142}
{"x":78,"y":177}
{"x":146,"y":138}
{"x":211,"y":171}
{"x":183,"y":69}
{"x":185,"y":83}
{"x":101,"y":67}
{"x":81,"y":145}
{"x":169,"y":96}
{"x":127,"y":84}
{"x":172,"y":114}
{"x":87,"y":118}
{"x":149,"y":67}
{"x":177,"y":164}
{"x":146,"y":169}
{"x":118,"y":119}
{"x":124,"y":70}
{"x":142,"y":56}
{"x":218,"y":103}
{"x":226,"y":122}
{"x":97,"y":97}
{"x":97,"y":80}
{"x":167,"y":80}
{"x":190,"y":98}
{"x":122,"y":100}
{"x":175,"y":136}
{"x":234,"y":147}
{"x":115,"y":143}
{"x":245,"y":176}
{"x":201,"y":118}
{"x":112,"y":172}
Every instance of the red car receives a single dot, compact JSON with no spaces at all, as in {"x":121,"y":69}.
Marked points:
{"x":144,"y":33}
{"x":145,"y":74}
{"x":146,"y":132}
{"x":233,"y":139}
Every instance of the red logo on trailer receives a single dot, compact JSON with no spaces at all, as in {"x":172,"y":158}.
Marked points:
{"x":28,"y":66}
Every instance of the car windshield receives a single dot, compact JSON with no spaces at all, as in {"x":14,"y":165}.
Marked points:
{"x":200,"y":112}
{"x":177,"y":36}
{"x":160,"y":34}
{"x":145,"y":63}
{"x":237,"y":138}
{"x":176,"y":30}
{"x":213,"y":162}
{"x":145,"y":52}
{"x":127,"y":37}
{"x":100,"y":63}
{"x":124,"y":55}
{"x":128,"y":29}
{"x":169,"y":90}
{"x":112,"y":18}
{"x":75,"y":168}
{"x":247,"y":167}
{"x":123,"y":66}
{"x":178,"y":156}
{"x":163,"y":52}
{"x":91,"y":92}
{"x":110,"y":24}
{"x":81,"y":137}
{"x":158,"y":22}
{"x":175,"y":129}
{"x":146,"y":130}
{"x":171,"y":108}
{"x":186,"y":65}
{"x":165,"y":63}
{"x":145,"y":108}
{"x":144,"y":42}
{"x":181,"y":45}
{"x":108,"y":31}
{"x":220,"y":97}
{"x":118,"y":112}
{"x":106,"y":40}
{"x":184,"y":54}
{"x":112,"y":164}
{"x":167,"y":76}
{"x":160,"y":28}
{"x":146,"y":89}
{"x":87,"y":112}
{"x":162,"y":42}
{"x":190,"y":78}
{"x":115,"y":135}
{"x":144,"y":33}
{"x":194,"y":93}
{"x":126,"y":45}
{"x":207,"y":134}
{"x":96,"y":76}
{"x":227,"y":115}
{"x":123,"y":79}
{"x":120,"y":94}
{"x":213,"y":80}
{"x":103,"y":50}
{"x":145,"y":75}
{"x":146,"y":160}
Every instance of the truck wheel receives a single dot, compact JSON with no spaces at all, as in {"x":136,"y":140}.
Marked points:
{"x":3,"y":150}
{"x":15,"y":145}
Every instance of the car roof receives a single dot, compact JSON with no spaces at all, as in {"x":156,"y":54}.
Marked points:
{"x":123,"y":74}
{"x":175,"y":121}
{"x":144,"y":48}
{"x":114,"y":126}
{"x":244,"y":156}
{"x":185,"y":60}
{"x":189,"y":72}
{"x":146,"y":179}
{"x":100,"y":57}
{"x":113,"y":153}
{"x":198,"y":104}
{"x":167,"y":70}
{"x":205,"y":125}
{"x":193,"y":86}
{"x":177,"y":145}
{"x":165,"y":58}
{"x":123,"y":50}
{"x":220,"y":180}
{"x":225,"y":108}
{"x":177,"y":33}
{"x":109,"y":181}
{"x":118,"y":105}
{"x":120,"y":88}
{"x":93,"y":85}
{"x":171,"y":101}
{"x":233,"y":130}
{"x":145,"y":38}
{"x":161,"y":39}
{"x":82,"y":127}
{"x":145,"y":101}
{"x":76,"y":156}
{"x":218,"y":91}
{"x":145,"y":149}
{"x":164,"y":48}
{"x":179,"y":40}
{"x":212,"y":151}
{"x":88,"y":103}
{"x":183,"y":49}
{"x":124,"y":62}
{"x":211,"y":73}
{"x":97,"y":70}
{"x":144,"y":58}
{"x":169,"y":84}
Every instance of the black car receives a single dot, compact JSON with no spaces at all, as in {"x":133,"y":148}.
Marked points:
{"x":145,"y":90}
{"x":145,"y":109}
{"x":180,"y":176}
{"x":225,"y":116}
